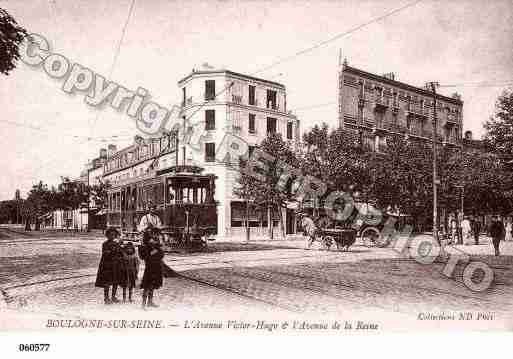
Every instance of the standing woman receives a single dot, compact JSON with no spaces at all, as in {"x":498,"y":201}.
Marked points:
{"x":108,"y":268}
{"x":508,"y":235}
{"x":151,"y":253}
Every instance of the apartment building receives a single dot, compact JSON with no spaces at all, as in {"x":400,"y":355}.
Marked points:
{"x":218,"y":102}
{"x":380,"y":106}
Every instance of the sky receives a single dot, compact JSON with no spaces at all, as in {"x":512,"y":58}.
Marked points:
{"x":44,"y":130}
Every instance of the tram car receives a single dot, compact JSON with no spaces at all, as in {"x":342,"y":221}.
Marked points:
{"x":184,"y":198}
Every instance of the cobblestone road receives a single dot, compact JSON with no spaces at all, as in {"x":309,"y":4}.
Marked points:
{"x":55,"y":277}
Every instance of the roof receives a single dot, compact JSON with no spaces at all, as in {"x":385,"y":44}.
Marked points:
{"x":400,"y":84}
{"x":228,"y":72}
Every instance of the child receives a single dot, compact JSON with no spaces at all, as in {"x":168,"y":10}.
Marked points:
{"x":131,"y":264}
{"x":151,"y":253}
{"x":108,"y":268}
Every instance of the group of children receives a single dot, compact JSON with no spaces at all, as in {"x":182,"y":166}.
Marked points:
{"x":119,"y":267}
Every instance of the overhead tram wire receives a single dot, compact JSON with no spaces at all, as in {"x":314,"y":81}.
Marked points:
{"x":116,"y":55}
{"x":338,"y":36}
{"x":276,"y":63}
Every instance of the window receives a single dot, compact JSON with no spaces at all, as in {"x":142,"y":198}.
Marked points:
{"x":251,"y":125}
{"x":271,"y":125}
{"x":210,"y":152}
{"x":210,"y":120}
{"x":251,"y":99}
{"x":210,"y":90}
{"x":271,"y":99}
{"x":289,"y":130}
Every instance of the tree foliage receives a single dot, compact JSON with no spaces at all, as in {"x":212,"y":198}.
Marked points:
{"x":499,"y":128}
{"x":11,"y":36}
{"x":259,"y":179}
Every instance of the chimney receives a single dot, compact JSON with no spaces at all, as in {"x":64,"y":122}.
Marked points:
{"x":111,"y":149}
{"x":390,"y":76}
{"x":103,"y":153}
{"x":456,"y":96}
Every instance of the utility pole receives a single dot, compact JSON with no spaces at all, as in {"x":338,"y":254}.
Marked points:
{"x":432,"y":86}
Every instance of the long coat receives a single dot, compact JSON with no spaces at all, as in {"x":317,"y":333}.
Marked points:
{"x":152,"y":257}
{"x":309,"y":227}
{"x":111,"y":267}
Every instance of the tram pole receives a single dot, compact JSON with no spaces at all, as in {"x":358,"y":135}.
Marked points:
{"x":433,"y":86}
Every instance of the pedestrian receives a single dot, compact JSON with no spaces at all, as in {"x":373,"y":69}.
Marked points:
{"x":131,"y":265}
{"x":476,"y":230}
{"x":454,"y":232}
{"x":151,"y":253}
{"x":497,"y":233}
{"x":465,"y":231}
{"x":508,"y":229}
{"x":309,"y":230}
{"x":109,"y":267}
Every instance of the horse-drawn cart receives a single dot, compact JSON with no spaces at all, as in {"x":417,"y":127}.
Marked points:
{"x":343,"y":238}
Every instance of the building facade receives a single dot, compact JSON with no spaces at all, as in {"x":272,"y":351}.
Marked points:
{"x":380,"y":106}
{"x":217,"y":105}
{"x":221,"y":102}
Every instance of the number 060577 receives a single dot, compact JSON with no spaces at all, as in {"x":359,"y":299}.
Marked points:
{"x":33,"y":347}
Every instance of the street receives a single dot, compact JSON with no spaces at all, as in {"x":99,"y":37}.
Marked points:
{"x":53,"y":278}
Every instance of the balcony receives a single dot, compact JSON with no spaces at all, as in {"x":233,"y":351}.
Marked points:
{"x":381,"y":103}
{"x":273,"y":106}
{"x":237,"y":129}
{"x":210,"y":96}
{"x":237,"y":99}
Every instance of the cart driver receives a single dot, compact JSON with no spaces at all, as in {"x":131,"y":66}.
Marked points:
{"x":150,"y":220}
{"x":309,"y":228}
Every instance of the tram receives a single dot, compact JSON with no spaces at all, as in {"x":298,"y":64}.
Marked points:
{"x":184,"y":198}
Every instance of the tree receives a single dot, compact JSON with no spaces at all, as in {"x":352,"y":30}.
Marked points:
{"x":499,"y":128}
{"x":265,"y":189}
{"x":40,"y":200}
{"x":11,"y":36}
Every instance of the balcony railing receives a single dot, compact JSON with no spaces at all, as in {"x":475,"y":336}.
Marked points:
{"x":210,"y":96}
{"x":381,"y":103}
{"x":236,"y":98}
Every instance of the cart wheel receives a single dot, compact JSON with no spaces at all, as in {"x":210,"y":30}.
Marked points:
{"x":370,"y":236}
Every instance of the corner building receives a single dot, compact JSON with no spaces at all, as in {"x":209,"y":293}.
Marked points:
{"x":217,"y":102}
{"x":379,"y":106}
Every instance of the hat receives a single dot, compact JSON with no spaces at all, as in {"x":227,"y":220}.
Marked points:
{"x":112,"y":230}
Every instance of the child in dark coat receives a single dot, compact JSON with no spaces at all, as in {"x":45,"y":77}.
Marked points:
{"x":109,"y":269}
{"x":131,"y":266}
{"x":151,"y":253}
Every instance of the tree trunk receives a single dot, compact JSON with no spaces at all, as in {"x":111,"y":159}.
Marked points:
{"x":282,"y":227}
{"x":270,"y":223}
{"x":37,"y":226}
{"x":27,"y":224}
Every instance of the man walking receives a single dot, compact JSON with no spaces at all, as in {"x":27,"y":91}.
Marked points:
{"x":497,"y":233}
{"x":465,"y":231}
{"x":309,"y":229}
{"x":476,"y":229}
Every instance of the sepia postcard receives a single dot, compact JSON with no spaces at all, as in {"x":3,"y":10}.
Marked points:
{"x":255,"y":167}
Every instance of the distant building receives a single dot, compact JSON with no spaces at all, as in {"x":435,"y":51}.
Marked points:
{"x":380,"y":106}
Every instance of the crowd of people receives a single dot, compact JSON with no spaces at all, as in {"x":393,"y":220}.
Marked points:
{"x":469,"y":230}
